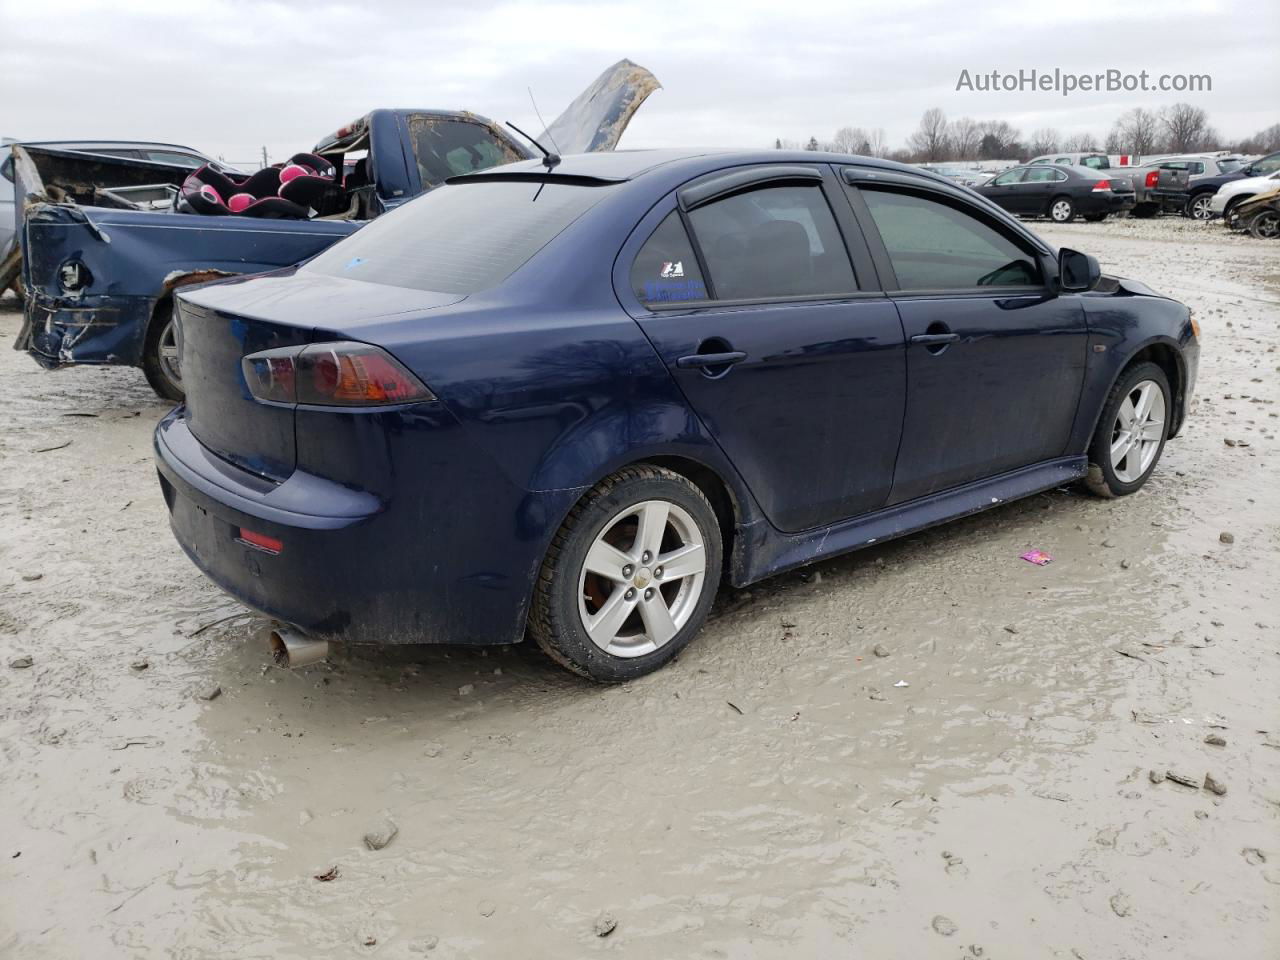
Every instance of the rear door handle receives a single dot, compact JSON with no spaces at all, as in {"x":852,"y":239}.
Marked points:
{"x":705,"y":360}
{"x":935,"y":338}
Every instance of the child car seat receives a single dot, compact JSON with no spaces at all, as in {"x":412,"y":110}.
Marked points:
{"x":288,"y":190}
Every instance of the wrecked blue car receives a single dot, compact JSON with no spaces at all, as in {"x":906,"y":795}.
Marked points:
{"x":100,"y":266}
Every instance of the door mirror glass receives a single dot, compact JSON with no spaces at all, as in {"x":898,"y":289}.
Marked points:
{"x":1077,"y":271}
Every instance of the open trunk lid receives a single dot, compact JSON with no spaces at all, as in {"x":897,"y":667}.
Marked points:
{"x":222,"y":323}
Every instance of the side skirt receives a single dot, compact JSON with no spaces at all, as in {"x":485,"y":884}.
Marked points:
{"x":762,"y":551}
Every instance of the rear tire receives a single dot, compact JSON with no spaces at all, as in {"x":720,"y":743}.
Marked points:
{"x":1145,"y":211}
{"x":1131,"y":432}
{"x":1096,"y":217}
{"x":612,"y":624}
{"x":160,"y":360}
{"x":1062,"y":210}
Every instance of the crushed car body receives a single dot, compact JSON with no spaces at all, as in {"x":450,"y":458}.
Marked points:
{"x":100,"y":266}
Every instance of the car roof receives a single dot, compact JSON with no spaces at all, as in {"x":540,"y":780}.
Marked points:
{"x":622,"y":165}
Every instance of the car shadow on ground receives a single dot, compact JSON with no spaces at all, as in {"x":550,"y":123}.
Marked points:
{"x":434,"y":679}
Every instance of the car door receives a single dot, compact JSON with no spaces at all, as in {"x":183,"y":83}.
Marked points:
{"x":1037,"y":187}
{"x":1005,"y":190}
{"x":995,"y":357}
{"x":794,"y":361}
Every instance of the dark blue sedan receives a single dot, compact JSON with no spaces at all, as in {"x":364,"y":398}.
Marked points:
{"x":568,"y":403}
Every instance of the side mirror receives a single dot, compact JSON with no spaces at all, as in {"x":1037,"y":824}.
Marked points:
{"x":1077,"y":271}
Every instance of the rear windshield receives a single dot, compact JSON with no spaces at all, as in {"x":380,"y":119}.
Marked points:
{"x":459,"y":238}
{"x":448,"y":148}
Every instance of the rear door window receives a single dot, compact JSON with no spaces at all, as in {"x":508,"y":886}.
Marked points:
{"x":1011,"y":176}
{"x":459,"y":238}
{"x":773,"y":242}
{"x":666,"y":268}
{"x":936,"y":245}
{"x":1044,"y":175}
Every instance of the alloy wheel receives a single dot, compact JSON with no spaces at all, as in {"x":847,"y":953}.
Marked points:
{"x":167,"y":354}
{"x":1138,"y":431}
{"x":641,"y":579}
{"x":1266,"y":225}
{"x":1200,"y":207}
{"x":1061,"y":211}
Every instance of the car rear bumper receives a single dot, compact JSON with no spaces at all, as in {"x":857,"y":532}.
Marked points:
{"x":354,"y":567}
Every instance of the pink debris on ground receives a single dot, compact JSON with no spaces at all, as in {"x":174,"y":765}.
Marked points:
{"x":1038,"y":557}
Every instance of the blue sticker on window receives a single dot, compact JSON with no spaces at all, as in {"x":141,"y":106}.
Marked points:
{"x":674,"y":291}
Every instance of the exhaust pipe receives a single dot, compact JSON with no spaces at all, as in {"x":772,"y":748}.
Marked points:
{"x":292,"y":648}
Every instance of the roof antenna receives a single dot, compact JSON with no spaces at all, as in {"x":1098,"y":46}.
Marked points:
{"x":538,"y":113}
{"x":549,"y":160}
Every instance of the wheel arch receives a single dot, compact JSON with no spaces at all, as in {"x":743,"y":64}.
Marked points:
{"x":730,"y":501}
{"x":1164,"y":353}
{"x":1054,"y":198}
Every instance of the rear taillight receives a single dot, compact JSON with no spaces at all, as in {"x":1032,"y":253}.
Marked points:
{"x":1102,"y":185}
{"x":260,"y":540}
{"x":1153,"y":179}
{"x":343,"y":374}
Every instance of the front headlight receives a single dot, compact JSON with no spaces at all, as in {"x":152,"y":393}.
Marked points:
{"x":1195,"y":327}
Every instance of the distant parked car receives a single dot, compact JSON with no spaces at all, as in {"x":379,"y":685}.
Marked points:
{"x":1154,"y":189}
{"x":1197,"y":165}
{"x":1235,"y":192}
{"x":171,"y":153}
{"x":965,"y":176}
{"x":482,"y":417}
{"x":1060,"y":193}
{"x":1199,"y":204}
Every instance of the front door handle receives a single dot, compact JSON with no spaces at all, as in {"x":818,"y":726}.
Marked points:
{"x":935,"y":338}
{"x":706,"y":360}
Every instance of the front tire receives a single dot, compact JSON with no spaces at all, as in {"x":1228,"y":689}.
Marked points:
{"x":1062,"y":210}
{"x":630,"y":576}
{"x":1198,"y":207}
{"x":1265,"y":225}
{"x":1131,"y":432}
{"x":160,"y":361}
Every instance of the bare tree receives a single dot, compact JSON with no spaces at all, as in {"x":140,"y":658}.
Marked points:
{"x":1044,"y":140}
{"x":965,"y":137}
{"x":1185,"y":126}
{"x":1264,"y":141}
{"x":999,"y":141}
{"x":813,"y":144}
{"x":1080,"y":143}
{"x":1136,"y":131}
{"x":852,"y":140}
{"x":876,"y":145}
{"x":930,"y":141}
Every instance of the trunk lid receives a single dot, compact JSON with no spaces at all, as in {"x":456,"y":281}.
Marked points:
{"x":220,"y":324}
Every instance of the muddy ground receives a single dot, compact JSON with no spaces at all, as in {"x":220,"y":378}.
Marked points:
{"x":775,"y":793}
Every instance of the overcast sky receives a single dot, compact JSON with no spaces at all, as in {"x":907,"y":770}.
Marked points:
{"x":229,"y":77}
